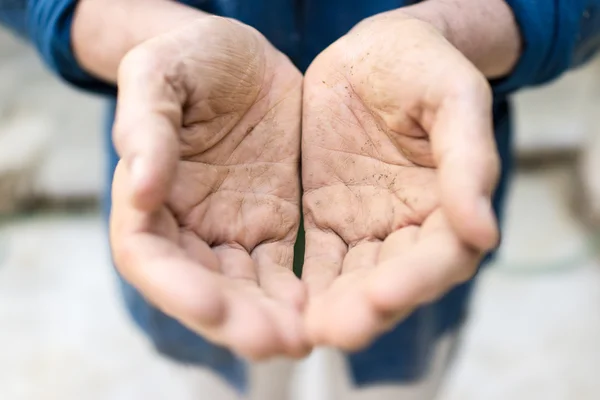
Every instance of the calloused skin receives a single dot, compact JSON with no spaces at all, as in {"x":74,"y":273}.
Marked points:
{"x":398,"y":167}
{"x":206,"y":197}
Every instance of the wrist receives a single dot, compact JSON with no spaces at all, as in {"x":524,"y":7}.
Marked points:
{"x":104,"y":31}
{"x":486,"y":32}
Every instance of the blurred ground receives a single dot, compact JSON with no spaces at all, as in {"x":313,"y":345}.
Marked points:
{"x":533,"y":333}
{"x":535,"y":326}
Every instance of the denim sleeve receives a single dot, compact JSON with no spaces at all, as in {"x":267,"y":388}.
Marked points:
{"x":557,"y":35}
{"x":47,"y":25}
{"x":12,"y":15}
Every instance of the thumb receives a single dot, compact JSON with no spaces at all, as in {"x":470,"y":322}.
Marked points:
{"x":146,"y":128}
{"x":468,"y":165}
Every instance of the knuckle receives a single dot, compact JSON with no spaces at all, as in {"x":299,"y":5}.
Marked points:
{"x":152,"y":67}
{"x":215,"y":22}
{"x":140,"y":62}
{"x":471,"y":86}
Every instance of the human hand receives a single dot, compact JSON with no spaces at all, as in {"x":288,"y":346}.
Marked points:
{"x":398,"y":166}
{"x":206,"y":195}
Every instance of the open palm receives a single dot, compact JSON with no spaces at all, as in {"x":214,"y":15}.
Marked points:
{"x":206,"y":197}
{"x":398,"y":167}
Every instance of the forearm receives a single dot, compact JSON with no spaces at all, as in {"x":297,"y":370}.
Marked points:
{"x":103,"y":31}
{"x":485,"y":31}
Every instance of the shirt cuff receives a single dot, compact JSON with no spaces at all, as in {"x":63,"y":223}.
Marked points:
{"x":550,"y":30}
{"x":49,"y":27}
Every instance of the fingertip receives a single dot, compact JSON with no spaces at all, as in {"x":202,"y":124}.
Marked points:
{"x":291,"y":330}
{"x":256,"y":341}
{"x":149,"y":189}
{"x":469,"y":211}
{"x":477,"y":225}
{"x":305,"y":352}
{"x":396,"y":286}
{"x":330,"y":324}
{"x":356,"y":330}
{"x":390,"y":303}
{"x":297,"y":342}
{"x":376,"y":292}
{"x":383,"y":293}
{"x":489,"y":235}
{"x":312,"y":322}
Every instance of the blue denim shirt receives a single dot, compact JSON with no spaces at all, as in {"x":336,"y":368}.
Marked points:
{"x":558,"y":35}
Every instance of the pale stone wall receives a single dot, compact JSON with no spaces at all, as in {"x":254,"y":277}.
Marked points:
{"x":50,"y":138}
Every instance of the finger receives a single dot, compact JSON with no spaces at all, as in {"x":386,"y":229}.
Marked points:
{"x":352,"y":331}
{"x":146,"y":254}
{"x":290,"y":327}
{"x":250,"y":330}
{"x":398,"y":242}
{"x":198,"y":250}
{"x":274,"y":262}
{"x":236,"y":263}
{"x":362,"y":256}
{"x":438,"y":261}
{"x":323,"y":259}
{"x":225,"y":311}
{"x":327,"y":322}
{"x":180,"y":288}
{"x":468,"y":163}
{"x":146,"y":128}
{"x":343,"y":316}
{"x":259,"y":328}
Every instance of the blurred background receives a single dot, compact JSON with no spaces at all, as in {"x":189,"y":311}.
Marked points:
{"x":534,"y":331}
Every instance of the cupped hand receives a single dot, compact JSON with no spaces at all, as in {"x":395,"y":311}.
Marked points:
{"x":398,"y":167}
{"x":206,"y":195}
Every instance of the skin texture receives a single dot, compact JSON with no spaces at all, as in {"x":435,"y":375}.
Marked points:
{"x":104,"y":31}
{"x":206,"y":196}
{"x":399,"y":165}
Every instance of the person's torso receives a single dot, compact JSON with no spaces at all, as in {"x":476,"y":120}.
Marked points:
{"x":299,"y":28}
